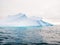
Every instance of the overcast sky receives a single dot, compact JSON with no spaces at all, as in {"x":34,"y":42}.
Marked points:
{"x":48,"y":9}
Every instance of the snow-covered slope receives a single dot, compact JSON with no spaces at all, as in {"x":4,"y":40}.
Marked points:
{"x":40,"y":21}
{"x":22,"y":20}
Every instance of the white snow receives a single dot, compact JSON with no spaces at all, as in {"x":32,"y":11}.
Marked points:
{"x":22,"y":20}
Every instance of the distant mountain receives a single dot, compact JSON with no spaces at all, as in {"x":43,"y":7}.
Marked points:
{"x":22,"y":20}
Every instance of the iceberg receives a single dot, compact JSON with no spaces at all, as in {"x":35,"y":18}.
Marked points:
{"x":22,"y":29}
{"x":22,"y":20}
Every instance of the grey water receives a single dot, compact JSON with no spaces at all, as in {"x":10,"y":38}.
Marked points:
{"x":20,"y":36}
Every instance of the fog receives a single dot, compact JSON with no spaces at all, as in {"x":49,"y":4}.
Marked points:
{"x":48,"y":9}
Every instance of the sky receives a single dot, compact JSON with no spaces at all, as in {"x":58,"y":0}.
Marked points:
{"x":49,"y":10}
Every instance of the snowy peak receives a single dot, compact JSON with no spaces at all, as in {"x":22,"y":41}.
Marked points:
{"x":40,"y":21}
{"x":17,"y":16}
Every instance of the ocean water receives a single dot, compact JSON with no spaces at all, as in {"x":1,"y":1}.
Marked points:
{"x":21,"y":36}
